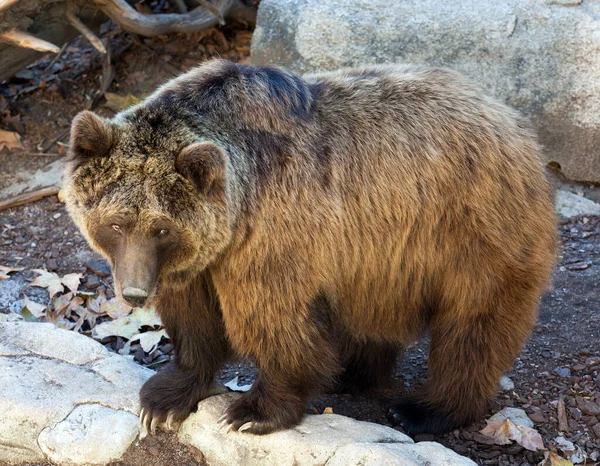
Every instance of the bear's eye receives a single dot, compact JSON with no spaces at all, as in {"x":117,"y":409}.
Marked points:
{"x":163,"y":233}
{"x":116,"y":227}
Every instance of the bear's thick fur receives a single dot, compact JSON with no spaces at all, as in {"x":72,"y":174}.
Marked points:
{"x":318,"y":225}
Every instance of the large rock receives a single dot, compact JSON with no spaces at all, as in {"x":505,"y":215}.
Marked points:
{"x":569,"y":205}
{"x":320,"y":439}
{"x":65,"y":398}
{"x":541,"y":57}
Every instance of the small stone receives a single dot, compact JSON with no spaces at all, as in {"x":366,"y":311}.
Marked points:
{"x":590,"y":420}
{"x":461,"y":449}
{"x":56,"y":216}
{"x":578,"y":367}
{"x":575,"y":413}
{"x":573,"y":425}
{"x":484,"y":439}
{"x":153,"y":451}
{"x":506,"y":384}
{"x":588,"y":407}
{"x":563,"y":371}
{"x":592,"y":361}
{"x":581,"y":265}
{"x":538,"y":417}
{"x":488,"y":455}
{"x":596,"y":430}
{"x":166,"y":348}
{"x":99,"y":267}
{"x":52,"y":264}
{"x":516,"y":415}
{"x":92,"y":282}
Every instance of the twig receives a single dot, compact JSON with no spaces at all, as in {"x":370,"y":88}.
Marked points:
{"x":56,"y":57}
{"x":87,"y":32}
{"x":50,"y":143}
{"x":27,"y":41}
{"x":107,"y":76}
{"x":563,"y":423}
{"x":27,"y":198}
{"x":210,"y":7}
{"x":4,"y":4}
{"x":40,"y":154}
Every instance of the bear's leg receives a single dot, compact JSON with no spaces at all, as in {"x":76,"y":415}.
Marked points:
{"x":295,"y":359}
{"x":469,"y":352}
{"x":365,"y":365}
{"x":193,"y":320}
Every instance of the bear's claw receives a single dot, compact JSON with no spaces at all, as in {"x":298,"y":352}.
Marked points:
{"x":149,"y":423}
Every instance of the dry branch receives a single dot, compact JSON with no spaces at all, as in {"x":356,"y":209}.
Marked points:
{"x":154,"y":25}
{"x":87,"y":32}
{"x":27,"y":41}
{"x":26,"y":198}
{"x":5,"y":4}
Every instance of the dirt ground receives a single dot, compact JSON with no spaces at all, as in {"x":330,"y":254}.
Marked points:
{"x":560,"y":361}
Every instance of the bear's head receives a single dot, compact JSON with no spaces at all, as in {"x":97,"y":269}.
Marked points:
{"x":150,"y":199}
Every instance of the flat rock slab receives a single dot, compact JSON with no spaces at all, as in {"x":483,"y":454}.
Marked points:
{"x":65,"y":398}
{"x":320,"y":439}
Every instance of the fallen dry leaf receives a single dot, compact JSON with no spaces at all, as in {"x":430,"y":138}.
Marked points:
{"x":94,"y":304}
{"x":115,"y":308}
{"x":36,"y":309}
{"x":125,"y":327}
{"x":553,"y":459}
{"x":503,"y":432}
{"x":71,"y":281}
{"x":48,"y":280}
{"x":10,"y":140}
{"x":146,"y":317}
{"x":117,"y":102}
{"x":328,"y":410}
{"x":4,"y":271}
{"x":149,"y":340}
{"x":54,"y":283}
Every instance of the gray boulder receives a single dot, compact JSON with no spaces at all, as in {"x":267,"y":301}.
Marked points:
{"x":569,"y":205}
{"x":320,"y":439}
{"x":65,"y":398}
{"x":541,"y":57}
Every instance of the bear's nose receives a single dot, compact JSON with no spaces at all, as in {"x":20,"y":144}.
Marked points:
{"x":135,"y":296}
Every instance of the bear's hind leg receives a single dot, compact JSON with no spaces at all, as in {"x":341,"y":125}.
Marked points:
{"x":468,"y":354}
{"x":365,"y":365}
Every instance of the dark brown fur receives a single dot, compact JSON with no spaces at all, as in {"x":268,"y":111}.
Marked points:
{"x":369,"y":205}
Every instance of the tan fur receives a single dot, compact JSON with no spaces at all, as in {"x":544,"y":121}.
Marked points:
{"x":383,"y":201}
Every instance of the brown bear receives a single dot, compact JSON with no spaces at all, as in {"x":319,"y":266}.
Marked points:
{"x":318,"y":225}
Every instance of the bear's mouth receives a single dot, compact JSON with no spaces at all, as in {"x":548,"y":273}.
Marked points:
{"x":136,"y":297}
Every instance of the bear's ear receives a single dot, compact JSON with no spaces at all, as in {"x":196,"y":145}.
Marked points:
{"x":91,"y":136}
{"x":204,"y":164}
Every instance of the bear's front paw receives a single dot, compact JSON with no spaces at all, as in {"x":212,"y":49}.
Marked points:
{"x":260,"y":415}
{"x":416,"y":417}
{"x":168,"y":398}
